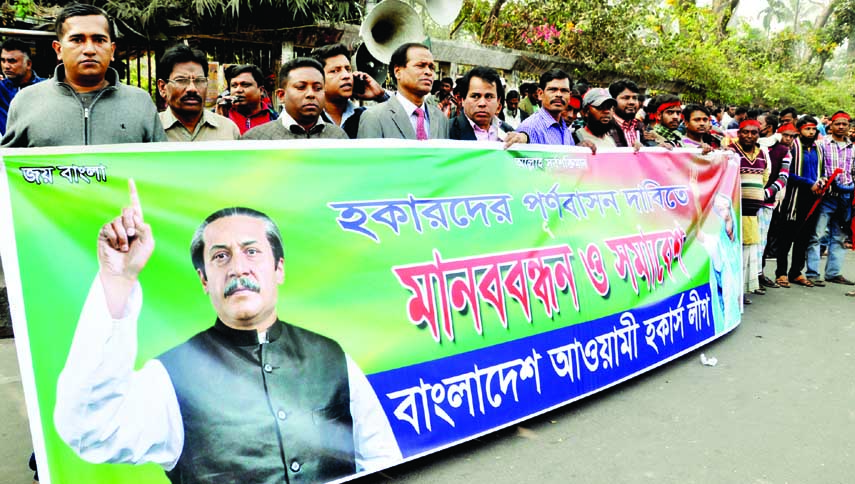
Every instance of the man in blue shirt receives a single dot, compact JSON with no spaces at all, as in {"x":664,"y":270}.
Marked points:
{"x":18,"y":69}
{"x":806,"y":181}
{"x":546,"y":125}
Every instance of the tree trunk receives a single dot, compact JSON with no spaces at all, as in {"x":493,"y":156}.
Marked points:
{"x":796,"y":16}
{"x":820,"y":24}
{"x":850,"y":47}
{"x":826,"y":14}
{"x":490,"y":24}
{"x":724,"y":9}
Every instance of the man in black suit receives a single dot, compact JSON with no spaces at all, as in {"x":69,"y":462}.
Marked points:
{"x":483,"y":92}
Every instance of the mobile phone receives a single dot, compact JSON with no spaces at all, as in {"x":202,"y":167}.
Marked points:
{"x":359,"y":84}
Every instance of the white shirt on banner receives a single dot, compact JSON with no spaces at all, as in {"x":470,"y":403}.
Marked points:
{"x":107,"y":412}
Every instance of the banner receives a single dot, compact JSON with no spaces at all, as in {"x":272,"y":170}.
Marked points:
{"x":473,"y":287}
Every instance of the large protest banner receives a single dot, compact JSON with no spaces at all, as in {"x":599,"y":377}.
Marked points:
{"x":474,"y":287}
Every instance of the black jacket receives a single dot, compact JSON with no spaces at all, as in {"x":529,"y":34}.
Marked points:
{"x":462,"y":130}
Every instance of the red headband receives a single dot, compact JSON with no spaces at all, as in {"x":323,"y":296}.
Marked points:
{"x":809,"y":125}
{"x":575,"y":103}
{"x":749,"y":122}
{"x":840,"y":115}
{"x":665,"y":106}
{"x":787,"y":127}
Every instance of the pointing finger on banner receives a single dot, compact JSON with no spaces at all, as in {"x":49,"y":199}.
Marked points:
{"x":135,"y":198}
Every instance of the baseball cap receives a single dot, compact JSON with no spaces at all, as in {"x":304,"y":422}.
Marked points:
{"x":599,"y":98}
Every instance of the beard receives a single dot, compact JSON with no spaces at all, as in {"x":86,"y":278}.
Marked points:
{"x":625,"y":115}
{"x":807,"y":140}
{"x":598,"y":128}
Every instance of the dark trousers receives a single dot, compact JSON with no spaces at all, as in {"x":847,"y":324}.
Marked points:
{"x":771,"y":250}
{"x":794,"y":234}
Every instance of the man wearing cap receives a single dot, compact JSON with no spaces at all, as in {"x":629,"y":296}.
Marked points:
{"x":597,"y":110}
{"x":754,"y":169}
{"x":806,"y":180}
{"x":834,"y":209}
{"x":667,"y":110}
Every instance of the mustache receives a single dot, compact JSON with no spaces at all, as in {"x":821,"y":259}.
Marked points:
{"x":191,"y":96}
{"x":240,"y":283}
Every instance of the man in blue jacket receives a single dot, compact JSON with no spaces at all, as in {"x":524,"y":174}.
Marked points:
{"x":18,"y":69}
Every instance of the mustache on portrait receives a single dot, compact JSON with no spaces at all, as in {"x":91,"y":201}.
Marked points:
{"x":240,"y":283}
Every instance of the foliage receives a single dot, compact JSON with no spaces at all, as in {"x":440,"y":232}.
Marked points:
{"x":216,"y":16}
{"x":679,"y":46}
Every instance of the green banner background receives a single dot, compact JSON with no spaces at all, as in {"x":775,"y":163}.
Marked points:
{"x":337,"y":283}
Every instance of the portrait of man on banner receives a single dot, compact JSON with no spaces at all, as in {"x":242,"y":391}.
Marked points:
{"x":250,"y":399}
{"x":725,"y":256}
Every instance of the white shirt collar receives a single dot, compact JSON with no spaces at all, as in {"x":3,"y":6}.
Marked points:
{"x":288,"y":121}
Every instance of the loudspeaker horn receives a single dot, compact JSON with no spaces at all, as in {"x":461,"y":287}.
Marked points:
{"x":443,"y":12}
{"x":389,"y":25}
{"x":365,"y":62}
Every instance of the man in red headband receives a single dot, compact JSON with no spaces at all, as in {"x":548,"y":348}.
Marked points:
{"x":779,"y":158}
{"x":668,"y":110}
{"x":834,"y":210}
{"x":754,"y":170}
{"x":806,"y":180}
{"x":571,"y":112}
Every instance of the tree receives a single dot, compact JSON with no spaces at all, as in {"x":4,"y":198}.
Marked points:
{"x":776,"y":11}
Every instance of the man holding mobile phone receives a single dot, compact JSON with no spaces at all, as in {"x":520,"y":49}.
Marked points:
{"x":343,"y":84}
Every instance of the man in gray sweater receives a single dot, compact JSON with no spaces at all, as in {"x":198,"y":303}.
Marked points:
{"x":301,"y":92}
{"x":84,"y":103}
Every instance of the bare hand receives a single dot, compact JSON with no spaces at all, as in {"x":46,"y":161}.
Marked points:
{"x":372,"y":90}
{"x":513,"y":138}
{"x":125,"y":243}
{"x":590,"y":145}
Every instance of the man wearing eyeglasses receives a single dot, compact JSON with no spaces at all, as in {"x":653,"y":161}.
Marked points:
{"x":183,"y":82}
{"x":84,"y":103}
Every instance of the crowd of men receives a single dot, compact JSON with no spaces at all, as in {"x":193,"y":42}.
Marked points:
{"x":785,"y":168}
